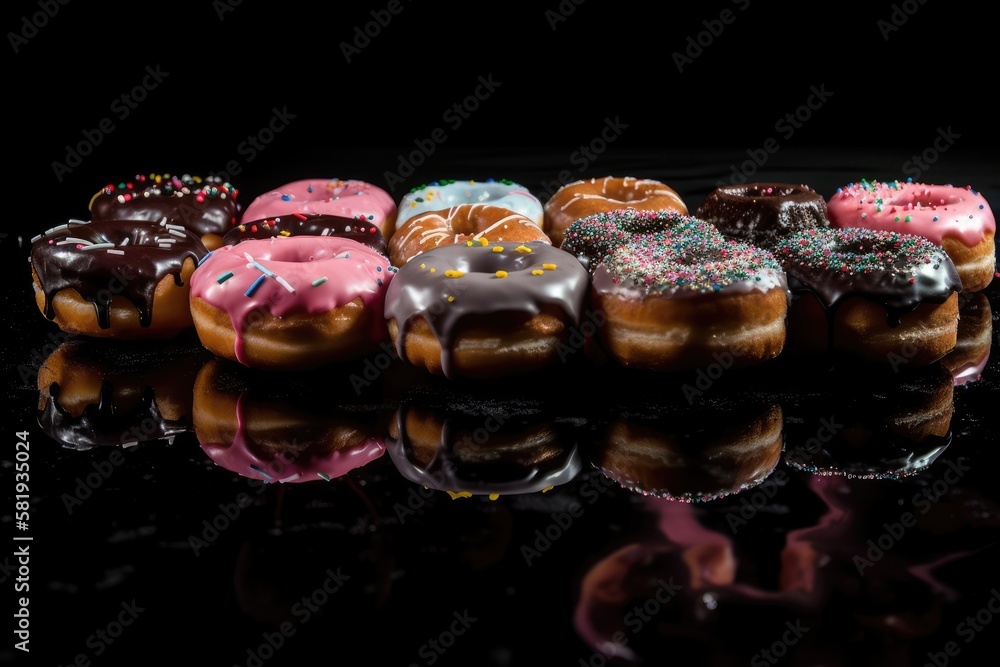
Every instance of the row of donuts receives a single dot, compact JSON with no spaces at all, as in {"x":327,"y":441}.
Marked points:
{"x":669,"y":291}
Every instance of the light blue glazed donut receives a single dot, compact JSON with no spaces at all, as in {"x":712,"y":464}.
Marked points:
{"x":446,"y":193}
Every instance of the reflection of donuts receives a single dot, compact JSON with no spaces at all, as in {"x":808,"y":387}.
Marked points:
{"x":312,"y":224}
{"x":486,"y":310}
{"x":205,"y":206}
{"x":763,"y":213}
{"x":94,"y":395}
{"x":975,"y":336}
{"x":878,"y":296}
{"x":247,"y":429}
{"x":116,"y":278}
{"x":678,"y":458}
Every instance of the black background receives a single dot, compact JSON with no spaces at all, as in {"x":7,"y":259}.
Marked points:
{"x":891,"y":98}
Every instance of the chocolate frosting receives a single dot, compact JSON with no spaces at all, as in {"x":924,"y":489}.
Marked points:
{"x":764,"y":213}
{"x":202,"y":205}
{"x":140,"y":255}
{"x":448,"y":284}
{"x":310,"y":224}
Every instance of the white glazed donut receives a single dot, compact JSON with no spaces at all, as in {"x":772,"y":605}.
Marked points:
{"x":443,"y":194}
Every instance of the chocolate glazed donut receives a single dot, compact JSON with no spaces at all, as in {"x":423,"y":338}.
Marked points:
{"x":764,"y":213}
{"x":102,"y":260}
{"x":310,"y":224}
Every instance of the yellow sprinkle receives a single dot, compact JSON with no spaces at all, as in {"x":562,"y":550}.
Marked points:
{"x":471,"y":182}
{"x":423,"y":266}
{"x":242,"y":228}
{"x":494,"y":496}
{"x":413,"y":204}
{"x":451,"y":273}
{"x":549,"y":267}
{"x":537,"y":272}
{"x":547,"y":489}
{"x":484,"y":241}
{"x":501,"y":274}
{"x":433,"y":270}
{"x":450,"y":299}
{"x":460,"y":494}
{"x":196,"y":179}
{"x":430,"y":196}
{"x":498,"y":248}
{"x":285,"y":233}
{"x":468,"y":243}
{"x":159,"y":180}
{"x":522,"y":249}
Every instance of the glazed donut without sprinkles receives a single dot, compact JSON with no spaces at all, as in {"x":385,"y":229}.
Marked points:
{"x":312,"y":224}
{"x":677,"y":298}
{"x":291,"y":302}
{"x":479,"y":223}
{"x":957,"y":219}
{"x":347,"y":199}
{"x":116,"y":278}
{"x":443,"y":194}
{"x":485,"y":311}
{"x":764,"y":213}
{"x":880,"y":296}
{"x":597,"y":195}
{"x":205,"y":206}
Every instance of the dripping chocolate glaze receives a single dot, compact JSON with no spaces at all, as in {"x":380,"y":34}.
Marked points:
{"x":310,"y":224}
{"x":764,"y":213}
{"x":98,"y":275}
{"x":418,"y":291}
{"x":214,"y":214}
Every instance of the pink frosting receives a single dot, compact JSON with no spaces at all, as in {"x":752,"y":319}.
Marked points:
{"x":935,"y":212}
{"x":330,"y":196}
{"x":314,"y":463}
{"x":301,"y":274}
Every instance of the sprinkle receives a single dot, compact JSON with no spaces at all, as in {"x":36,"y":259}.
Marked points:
{"x":450,"y":298}
{"x":484,"y":241}
{"x":319,"y":281}
{"x":537,"y":272}
{"x":433,"y":271}
{"x":423,"y":266}
{"x":451,"y":273}
{"x":224,"y":277}
{"x":322,"y":475}
{"x":125,"y":243}
{"x":116,"y":252}
{"x":501,"y":274}
{"x":498,"y":248}
{"x":494,"y":496}
{"x":286,"y":198}
{"x":263,"y":269}
{"x":549,"y":267}
{"x":177,"y":233}
{"x":460,"y":494}
{"x":284,"y":283}
{"x":547,"y":489}
{"x":260,"y":471}
{"x":255,"y":285}
{"x":98,"y":246}
{"x":200,"y":261}
{"x":522,"y":249}
{"x":468,"y":243}
{"x":73,"y":239}
{"x":169,"y":226}
{"x":299,"y":215}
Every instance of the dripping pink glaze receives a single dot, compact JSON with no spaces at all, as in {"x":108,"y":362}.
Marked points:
{"x":305,"y":466}
{"x":349,"y":199}
{"x":298,"y":260}
{"x":961,"y":213}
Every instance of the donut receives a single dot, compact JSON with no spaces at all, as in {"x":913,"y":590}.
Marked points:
{"x":676,"y":293}
{"x":459,"y":224}
{"x":331,"y":196}
{"x":206,"y":206}
{"x":123,"y":279}
{"x":486,"y":309}
{"x":309,"y":224}
{"x":764,"y":213}
{"x":879,"y":296}
{"x":291,"y":302}
{"x":446,"y":193}
{"x":975,"y":337}
{"x":583,"y":198}
{"x":249,"y":430}
{"x":957,"y":219}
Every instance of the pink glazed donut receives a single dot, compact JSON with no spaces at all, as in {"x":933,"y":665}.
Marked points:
{"x":957,"y":219}
{"x":291,"y":302}
{"x":330,"y":196}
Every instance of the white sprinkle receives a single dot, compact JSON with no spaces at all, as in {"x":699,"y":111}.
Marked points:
{"x":126,"y":445}
{"x":177,"y":233}
{"x":164,"y":221}
{"x":249,"y":258}
{"x":36,"y":238}
{"x":116,"y":252}
{"x":56,"y":229}
{"x":169,"y":226}
{"x":125,"y":242}
{"x":98,"y":246}
{"x":73,"y":239}
{"x":166,"y":245}
{"x":284,"y":283}
{"x":164,"y":240}
{"x":325,"y":232}
{"x":79,"y":222}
